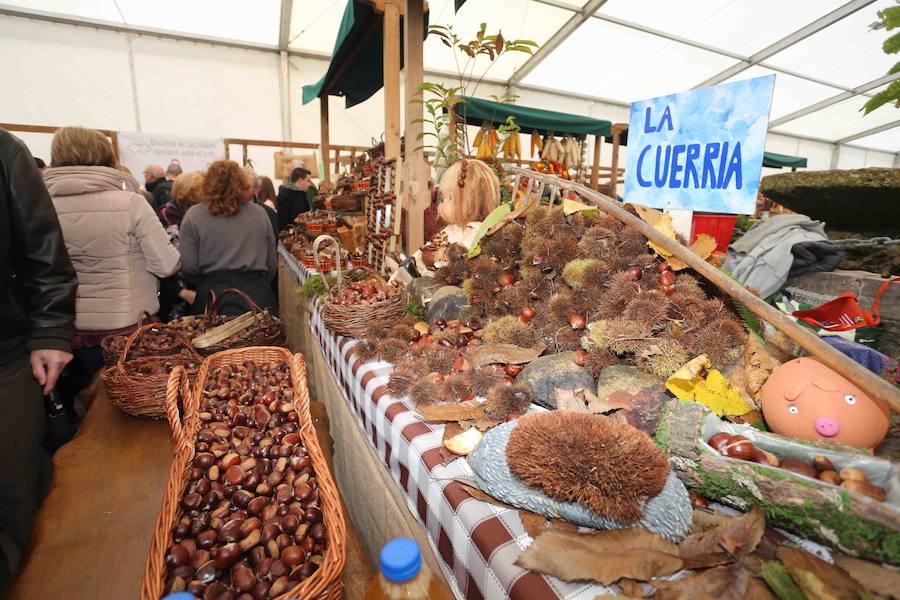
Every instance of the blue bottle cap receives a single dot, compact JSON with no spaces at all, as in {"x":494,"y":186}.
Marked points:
{"x":180,"y":596}
{"x":400,"y":560}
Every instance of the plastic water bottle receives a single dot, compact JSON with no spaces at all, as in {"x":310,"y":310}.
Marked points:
{"x":403,"y":576}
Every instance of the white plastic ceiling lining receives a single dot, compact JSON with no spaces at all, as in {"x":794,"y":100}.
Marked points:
{"x":826,"y":59}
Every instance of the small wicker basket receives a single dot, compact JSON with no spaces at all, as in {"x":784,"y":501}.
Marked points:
{"x":326,"y":583}
{"x":144,"y":394}
{"x":258,"y":334}
{"x":353,"y":321}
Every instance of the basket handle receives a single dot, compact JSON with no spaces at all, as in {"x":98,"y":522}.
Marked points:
{"x":181,"y":422}
{"x":253,"y":305}
{"x":132,"y":338}
{"x":337,"y":260}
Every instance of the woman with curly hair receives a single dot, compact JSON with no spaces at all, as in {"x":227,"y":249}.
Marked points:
{"x":227,"y":242}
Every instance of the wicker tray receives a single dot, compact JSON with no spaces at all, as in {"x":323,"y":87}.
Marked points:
{"x":326,"y":582}
{"x":144,"y":395}
{"x":353,"y":321}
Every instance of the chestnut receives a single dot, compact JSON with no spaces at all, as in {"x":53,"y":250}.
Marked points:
{"x":830,"y":477}
{"x":662,"y":267}
{"x":261,"y":590}
{"x":312,"y":515}
{"x":738,"y":447}
{"x":293,"y":556}
{"x":578,"y":321}
{"x":241,"y":498}
{"x":234,"y":474}
{"x":206,"y":539}
{"x":800,"y":467}
{"x":278,"y":568}
{"x":765,"y":458}
{"x":289,"y":523}
{"x":718,"y":440}
{"x":242,"y":579}
{"x":208,"y":572}
{"x":668,"y":290}
{"x":851,"y":474}
{"x":227,"y":555}
{"x":302,"y":492}
{"x":318,"y":532}
{"x":863,"y":487}
{"x":178,"y":556}
{"x":821,"y":463}
{"x":255,"y":506}
{"x":667,"y":278}
{"x":580,"y":357}
{"x":506,"y":279}
{"x":204,"y":460}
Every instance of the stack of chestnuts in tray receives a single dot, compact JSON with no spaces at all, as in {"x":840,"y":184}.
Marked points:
{"x":250,"y":526}
{"x":821,"y":468}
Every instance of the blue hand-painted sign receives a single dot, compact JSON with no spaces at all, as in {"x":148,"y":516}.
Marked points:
{"x":699,"y":150}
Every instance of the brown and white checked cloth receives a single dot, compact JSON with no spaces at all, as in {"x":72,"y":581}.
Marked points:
{"x":478,"y":542}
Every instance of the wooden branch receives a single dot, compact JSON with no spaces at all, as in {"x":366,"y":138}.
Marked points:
{"x":866,"y":380}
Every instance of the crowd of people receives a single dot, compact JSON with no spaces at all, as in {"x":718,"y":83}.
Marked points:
{"x":86,"y":252}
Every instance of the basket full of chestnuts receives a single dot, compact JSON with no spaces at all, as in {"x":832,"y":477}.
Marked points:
{"x":138,"y":385}
{"x":350,"y":308}
{"x":251,"y":509}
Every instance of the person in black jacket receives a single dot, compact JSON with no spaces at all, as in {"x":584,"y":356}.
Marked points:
{"x":37,"y":323}
{"x":295,"y":197}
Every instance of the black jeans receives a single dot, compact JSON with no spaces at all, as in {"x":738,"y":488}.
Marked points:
{"x":25,"y":467}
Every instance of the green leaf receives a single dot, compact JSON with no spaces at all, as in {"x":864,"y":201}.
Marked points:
{"x":778,"y":577}
{"x":492,"y":219}
{"x":892,"y":44}
{"x":894,"y":69}
{"x":891,"y":94}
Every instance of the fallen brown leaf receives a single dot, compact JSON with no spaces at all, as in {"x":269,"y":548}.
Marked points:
{"x":631,"y":588}
{"x":875,"y":578}
{"x":758,"y":365}
{"x":727,"y":542}
{"x":570,"y":400}
{"x":506,"y":354}
{"x":703,"y":247}
{"x":704,"y":518}
{"x":533,"y":523}
{"x":615,"y":401}
{"x":732,"y":582}
{"x":484,"y":423}
{"x":813,"y":587}
{"x":604,"y":556}
{"x":585,"y":401}
{"x":462,"y":411}
{"x":835,"y":580}
{"x":479,"y":495}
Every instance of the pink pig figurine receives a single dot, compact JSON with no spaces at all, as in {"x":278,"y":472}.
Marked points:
{"x":805,"y":399}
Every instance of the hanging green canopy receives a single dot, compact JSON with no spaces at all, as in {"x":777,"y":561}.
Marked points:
{"x":357,"y":68}
{"x":781,"y":161}
{"x":477,"y":111}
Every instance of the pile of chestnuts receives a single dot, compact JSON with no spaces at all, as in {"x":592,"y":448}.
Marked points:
{"x":154,"y":367}
{"x":251,"y":524}
{"x":821,"y":468}
{"x":363,"y":293}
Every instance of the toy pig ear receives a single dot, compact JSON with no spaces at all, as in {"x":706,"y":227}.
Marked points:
{"x":793,"y":390}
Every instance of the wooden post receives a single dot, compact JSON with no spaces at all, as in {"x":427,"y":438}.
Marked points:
{"x":244,"y":155}
{"x":617,"y":130}
{"x":595,"y":170}
{"x":325,"y":148}
{"x":391,"y":56}
{"x":416,"y":168}
{"x":337,"y":163}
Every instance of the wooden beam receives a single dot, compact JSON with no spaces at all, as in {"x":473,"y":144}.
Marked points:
{"x":324,"y":148}
{"x":595,"y":170}
{"x":391,"y":64}
{"x":416,"y":168}
{"x":866,"y":380}
{"x":614,"y":165}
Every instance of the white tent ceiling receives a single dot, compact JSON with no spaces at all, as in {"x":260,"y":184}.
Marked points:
{"x":826,"y":59}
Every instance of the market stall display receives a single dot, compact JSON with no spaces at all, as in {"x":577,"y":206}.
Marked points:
{"x":251,"y":506}
{"x":381,"y":214}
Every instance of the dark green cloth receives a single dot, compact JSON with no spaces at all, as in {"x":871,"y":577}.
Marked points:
{"x":360,"y":41}
{"x":781,"y":161}
{"x":477,"y":111}
{"x":457,"y":4}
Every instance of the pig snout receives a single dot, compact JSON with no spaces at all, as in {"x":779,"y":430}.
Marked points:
{"x":827,"y":426}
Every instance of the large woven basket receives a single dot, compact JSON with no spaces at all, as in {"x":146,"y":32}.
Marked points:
{"x":326,"y":583}
{"x":256,"y":335}
{"x":144,"y":395}
{"x":353,"y":321}
{"x":111,"y":346}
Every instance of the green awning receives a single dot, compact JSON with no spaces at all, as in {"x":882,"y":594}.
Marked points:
{"x":781,"y":161}
{"x":356,"y":70}
{"x":476,"y":111}
{"x":457,"y":4}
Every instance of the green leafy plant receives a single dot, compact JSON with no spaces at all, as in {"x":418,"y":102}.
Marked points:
{"x":414,"y":310}
{"x":439,"y":100}
{"x":888,"y":19}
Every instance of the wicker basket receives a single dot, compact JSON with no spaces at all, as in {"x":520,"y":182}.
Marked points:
{"x":112,"y":345}
{"x":325,"y":583}
{"x":256,"y":335}
{"x":353,"y":321}
{"x":145,"y":395}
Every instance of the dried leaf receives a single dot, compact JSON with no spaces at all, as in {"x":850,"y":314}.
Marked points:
{"x":779,"y":579}
{"x":836,"y":580}
{"x":450,"y":430}
{"x":813,"y":587}
{"x":533,"y":523}
{"x":571,"y":207}
{"x":462,"y":411}
{"x":758,"y":365}
{"x":727,"y":542}
{"x":479,"y":495}
{"x":507,"y":354}
{"x":604,"y":556}
{"x":631,"y":588}
{"x":733,"y":582}
{"x":704,"y":519}
{"x":615,"y":401}
{"x":874,"y":577}
{"x":569,"y":400}
{"x":703,"y":247}
{"x":483,"y":424}
{"x":713,"y":391}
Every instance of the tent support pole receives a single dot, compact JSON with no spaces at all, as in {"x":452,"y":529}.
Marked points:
{"x":325,"y":148}
{"x":416,"y":169}
{"x":391,"y":56}
{"x":595,"y":170}
{"x":617,"y":130}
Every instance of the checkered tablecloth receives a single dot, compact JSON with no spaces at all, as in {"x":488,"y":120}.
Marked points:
{"x":477,"y":542}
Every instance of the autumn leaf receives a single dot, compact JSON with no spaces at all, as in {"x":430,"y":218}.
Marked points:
{"x":703,"y":246}
{"x":604,"y":556}
{"x":477,"y":494}
{"x":507,"y":354}
{"x":809,"y":569}
{"x":733,"y":582}
{"x":461,"y":411}
{"x":874,"y":577}
{"x":727,"y":542}
{"x":758,"y":365}
{"x":533,"y":523}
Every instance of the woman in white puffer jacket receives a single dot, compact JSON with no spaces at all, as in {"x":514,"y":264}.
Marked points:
{"x":115,"y":240}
